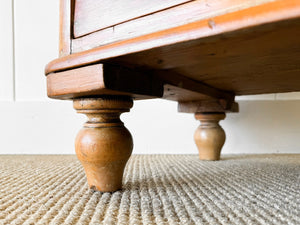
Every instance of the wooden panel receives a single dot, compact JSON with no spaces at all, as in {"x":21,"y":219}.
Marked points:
{"x":175,"y":37}
{"x":103,"y":80}
{"x":206,"y":106}
{"x":177,"y":16}
{"x":254,"y":63}
{"x":6,"y":51}
{"x":251,"y":51}
{"x":92,"y":15}
{"x":188,"y":88}
{"x":65,"y":17}
{"x":85,"y":79}
{"x":175,"y":93}
{"x":114,"y":79}
{"x":263,"y":59}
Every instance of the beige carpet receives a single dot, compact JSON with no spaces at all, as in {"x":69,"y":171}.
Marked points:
{"x":158,"y":189}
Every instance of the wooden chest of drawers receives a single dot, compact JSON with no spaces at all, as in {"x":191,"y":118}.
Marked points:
{"x":200,"y":53}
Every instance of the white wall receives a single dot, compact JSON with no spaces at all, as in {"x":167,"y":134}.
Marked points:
{"x":6,"y":51}
{"x":32,"y":124}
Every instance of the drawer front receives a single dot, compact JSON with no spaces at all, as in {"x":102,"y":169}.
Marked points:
{"x":93,"y":15}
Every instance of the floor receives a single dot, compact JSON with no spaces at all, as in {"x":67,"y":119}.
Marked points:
{"x":158,"y":189}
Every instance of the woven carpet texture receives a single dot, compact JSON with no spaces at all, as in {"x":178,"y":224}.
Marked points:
{"x":158,"y":189}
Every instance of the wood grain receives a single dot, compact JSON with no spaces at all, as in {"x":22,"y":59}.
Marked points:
{"x":267,"y":13}
{"x":83,"y":80}
{"x":209,"y":136}
{"x":175,"y":93}
{"x":183,"y":88}
{"x":251,"y":61}
{"x":107,"y":79}
{"x":171,"y":17}
{"x":207,"y":105}
{"x":65,"y":37}
{"x":248,"y":51}
{"x":230,"y":47}
{"x":93,"y":15}
{"x":101,"y":79}
{"x":104,"y":145}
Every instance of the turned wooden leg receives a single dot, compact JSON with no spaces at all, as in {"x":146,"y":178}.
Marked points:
{"x":209,"y":136}
{"x":104,"y":145}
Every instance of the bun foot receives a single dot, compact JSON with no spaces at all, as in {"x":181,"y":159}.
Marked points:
{"x":103,"y":145}
{"x":209,"y":136}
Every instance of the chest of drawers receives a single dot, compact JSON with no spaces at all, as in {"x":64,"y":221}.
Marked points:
{"x":199,"y":53}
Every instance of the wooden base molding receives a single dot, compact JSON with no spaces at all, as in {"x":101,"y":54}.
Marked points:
{"x":209,"y":136}
{"x":104,"y":145}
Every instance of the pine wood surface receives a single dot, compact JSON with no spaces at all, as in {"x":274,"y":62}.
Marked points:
{"x":209,"y":136}
{"x":253,"y":50}
{"x":190,"y":11}
{"x":104,"y":145}
{"x":93,"y":15}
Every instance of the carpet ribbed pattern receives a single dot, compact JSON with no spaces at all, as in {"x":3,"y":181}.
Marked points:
{"x":158,"y":189}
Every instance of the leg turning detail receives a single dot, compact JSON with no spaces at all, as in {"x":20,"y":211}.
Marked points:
{"x":209,"y":136}
{"x":104,"y":145}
